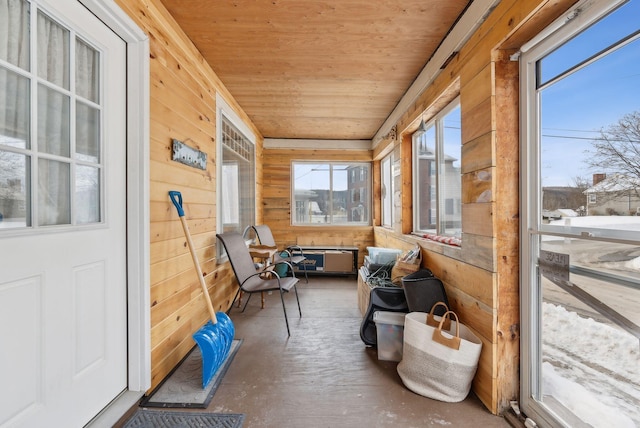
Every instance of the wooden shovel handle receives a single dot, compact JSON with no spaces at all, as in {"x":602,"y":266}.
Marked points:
{"x":176,"y":198}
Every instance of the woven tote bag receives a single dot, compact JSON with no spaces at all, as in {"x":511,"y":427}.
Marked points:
{"x":438,"y":363}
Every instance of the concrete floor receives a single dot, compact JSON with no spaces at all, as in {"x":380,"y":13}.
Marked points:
{"x":324,"y":375}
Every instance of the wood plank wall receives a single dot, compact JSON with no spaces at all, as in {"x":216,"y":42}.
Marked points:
{"x":481,"y":277}
{"x":183,"y":106}
{"x":276,"y":202}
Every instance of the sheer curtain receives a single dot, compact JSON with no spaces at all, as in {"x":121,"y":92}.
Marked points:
{"x":14,"y":113}
{"x":59,"y":112}
{"x":54,"y":175}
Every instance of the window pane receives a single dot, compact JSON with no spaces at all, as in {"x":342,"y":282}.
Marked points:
{"x":589,"y":352}
{"x":14,"y":110}
{"x":426,"y":172}
{"x":344,"y":195}
{"x":311,"y":193}
{"x":357,"y":208}
{"x":596,"y":38}
{"x":387,"y":192}
{"x":53,"y":122}
{"x":87,"y":72}
{"x":451,"y":185}
{"x":53,"y":52}
{"x":14,"y":32}
{"x":87,"y":199}
{"x":231,"y":193}
{"x":54,"y":202}
{"x":87,"y":133}
{"x":15,"y":205}
{"x":237,"y":202}
{"x":331,"y":193}
{"x":591,"y":117}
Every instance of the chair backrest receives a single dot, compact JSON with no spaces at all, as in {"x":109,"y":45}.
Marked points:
{"x":263,"y":232}
{"x":238,"y":253}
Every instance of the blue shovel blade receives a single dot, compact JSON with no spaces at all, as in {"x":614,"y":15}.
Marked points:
{"x":214,"y":341}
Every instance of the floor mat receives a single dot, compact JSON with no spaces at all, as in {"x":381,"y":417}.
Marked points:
{"x":183,"y":387}
{"x":148,"y":418}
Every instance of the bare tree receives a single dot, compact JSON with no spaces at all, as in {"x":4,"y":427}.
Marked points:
{"x":617,"y":150}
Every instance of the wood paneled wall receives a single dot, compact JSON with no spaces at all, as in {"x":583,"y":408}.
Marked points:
{"x":276,"y":202}
{"x":481,"y":277}
{"x":183,"y":106}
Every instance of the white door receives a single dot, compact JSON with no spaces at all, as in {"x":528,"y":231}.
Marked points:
{"x":63,"y":326}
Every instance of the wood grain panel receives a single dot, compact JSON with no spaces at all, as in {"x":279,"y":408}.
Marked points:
{"x":478,"y":153}
{"x":476,"y":89}
{"x":478,"y":218}
{"x":406,"y":195}
{"x":473,"y":281}
{"x":362,"y":58}
{"x":479,"y":251}
{"x":507,"y":220}
{"x":170,"y":286}
{"x":477,"y":186}
{"x":171,"y":267}
{"x":478,"y":121}
{"x":165,"y":211}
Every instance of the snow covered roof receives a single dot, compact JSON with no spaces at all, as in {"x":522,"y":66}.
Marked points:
{"x":566,"y":212}
{"x":614,"y":183}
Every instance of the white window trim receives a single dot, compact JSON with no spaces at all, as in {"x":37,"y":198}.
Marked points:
{"x":387,"y":223}
{"x":569,"y":24}
{"x":223,"y":109}
{"x":439,"y":207}
{"x":349,"y":194}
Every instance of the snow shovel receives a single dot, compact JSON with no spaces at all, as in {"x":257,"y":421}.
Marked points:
{"x":215,"y":337}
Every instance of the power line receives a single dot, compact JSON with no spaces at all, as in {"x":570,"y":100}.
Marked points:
{"x":569,"y":137}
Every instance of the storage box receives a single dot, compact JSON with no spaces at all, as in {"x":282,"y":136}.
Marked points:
{"x":390,"y":334}
{"x":314,"y":261}
{"x":383,"y":255}
{"x":338,"y":261}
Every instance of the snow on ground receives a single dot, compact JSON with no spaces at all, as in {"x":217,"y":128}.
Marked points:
{"x":593,"y":369}
{"x":616,"y":222}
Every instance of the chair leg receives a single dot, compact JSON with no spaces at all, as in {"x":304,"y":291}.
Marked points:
{"x":233,"y":301}
{"x":296,"y":290}
{"x":284,"y":309}
{"x":247,"y":302}
{"x":304,"y":268}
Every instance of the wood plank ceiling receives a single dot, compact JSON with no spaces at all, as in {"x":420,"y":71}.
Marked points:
{"x":326,"y":69}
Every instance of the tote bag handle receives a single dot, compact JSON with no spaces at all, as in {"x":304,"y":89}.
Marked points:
{"x":431,"y":321}
{"x":450,"y":342}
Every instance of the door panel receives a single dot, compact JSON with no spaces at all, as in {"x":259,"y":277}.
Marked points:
{"x":63,"y":278}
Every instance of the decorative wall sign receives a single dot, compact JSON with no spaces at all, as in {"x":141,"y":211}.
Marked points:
{"x":188,"y":155}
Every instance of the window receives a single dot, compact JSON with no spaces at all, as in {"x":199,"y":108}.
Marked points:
{"x":580,"y":88}
{"x":236,"y":173}
{"x":331,"y":193}
{"x":437,"y":179}
{"x":51,"y":170}
{"x":386,"y":192}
